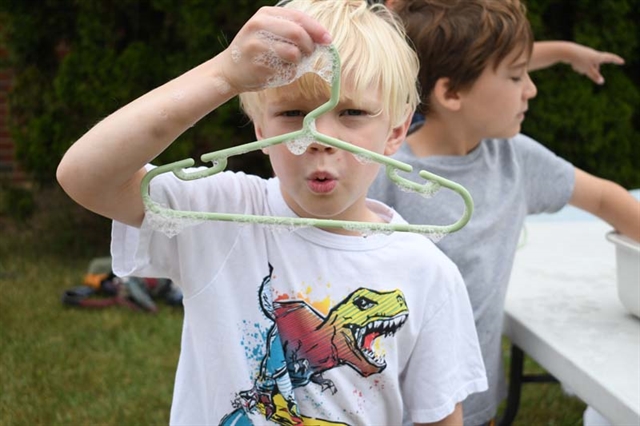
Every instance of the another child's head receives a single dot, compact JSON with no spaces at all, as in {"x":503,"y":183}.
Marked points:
{"x":374,"y":56}
{"x":458,"y":39}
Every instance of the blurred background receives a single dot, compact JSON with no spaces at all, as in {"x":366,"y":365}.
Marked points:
{"x":66,"y":64}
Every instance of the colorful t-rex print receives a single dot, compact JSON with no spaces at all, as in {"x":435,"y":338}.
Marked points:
{"x":314,"y":344}
{"x":302,"y":344}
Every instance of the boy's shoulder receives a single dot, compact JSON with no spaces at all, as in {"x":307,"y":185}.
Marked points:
{"x":227,"y":182}
{"x":519,"y":146}
{"x":525,"y":148}
{"x":223,"y":192}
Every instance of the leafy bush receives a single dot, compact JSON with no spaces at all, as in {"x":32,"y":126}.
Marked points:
{"x":76,"y":61}
{"x":16,"y":203}
{"x":594,"y":127}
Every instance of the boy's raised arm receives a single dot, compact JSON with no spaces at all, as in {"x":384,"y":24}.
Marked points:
{"x":609,"y":201}
{"x":583,"y":59}
{"x":102,"y":171}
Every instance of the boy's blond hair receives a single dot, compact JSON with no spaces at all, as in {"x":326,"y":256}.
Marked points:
{"x":458,"y":39}
{"x":374,"y":55}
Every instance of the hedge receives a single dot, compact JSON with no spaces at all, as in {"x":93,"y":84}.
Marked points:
{"x":597,"y":128}
{"x":77,"y":61}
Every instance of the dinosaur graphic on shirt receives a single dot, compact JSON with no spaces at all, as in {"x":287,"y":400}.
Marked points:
{"x":302,"y":344}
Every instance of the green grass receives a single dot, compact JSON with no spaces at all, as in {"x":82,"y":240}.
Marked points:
{"x":68,"y":366}
{"x":544,"y":403}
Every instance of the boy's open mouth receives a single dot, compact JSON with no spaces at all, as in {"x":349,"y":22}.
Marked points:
{"x":321,"y":182}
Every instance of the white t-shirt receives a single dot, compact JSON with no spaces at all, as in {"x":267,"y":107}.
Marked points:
{"x":282,"y":326}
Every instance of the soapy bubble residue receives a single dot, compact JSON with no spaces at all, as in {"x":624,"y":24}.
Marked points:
{"x":169,"y":225}
{"x":319,"y":62}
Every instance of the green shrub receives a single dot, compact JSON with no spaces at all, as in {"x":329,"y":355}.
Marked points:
{"x":77,"y":61}
{"x":594,"y":127}
{"x":17,"y":203}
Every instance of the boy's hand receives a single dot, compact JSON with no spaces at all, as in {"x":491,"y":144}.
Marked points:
{"x":587,"y":61}
{"x":268,"y":48}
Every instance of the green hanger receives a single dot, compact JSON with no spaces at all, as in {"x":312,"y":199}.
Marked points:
{"x":219,"y":161}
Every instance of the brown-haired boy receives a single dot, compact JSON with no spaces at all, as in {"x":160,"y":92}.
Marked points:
{"x":475,"y":56}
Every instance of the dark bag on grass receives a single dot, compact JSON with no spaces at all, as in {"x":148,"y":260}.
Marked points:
{"x":101,"y":288}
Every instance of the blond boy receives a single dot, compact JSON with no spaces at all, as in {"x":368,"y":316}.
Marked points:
{"x":290,"y":327}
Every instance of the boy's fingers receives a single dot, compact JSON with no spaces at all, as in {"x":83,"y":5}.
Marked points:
{"x":302,"y":31}
{"x":594,"y":74}
{"x":611,"y":58}
{"x":605,"y":58}
{"x":269,"y":46}
{"x":316,"y":31}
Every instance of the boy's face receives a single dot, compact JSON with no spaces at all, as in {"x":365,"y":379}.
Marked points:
{"x":495,"y":106}
{"x":325,"y":182}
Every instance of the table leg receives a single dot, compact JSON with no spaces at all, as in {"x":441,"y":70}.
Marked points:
{"x":516,"y":379}
{"x":515,"y":383}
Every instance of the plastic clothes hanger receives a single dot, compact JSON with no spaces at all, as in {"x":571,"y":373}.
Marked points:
{"x":308,"y":132}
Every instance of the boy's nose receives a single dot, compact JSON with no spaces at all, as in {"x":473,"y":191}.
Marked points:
{"x":319,"y":147}
{"x":325,"y":125}
{"x":530,"y":90}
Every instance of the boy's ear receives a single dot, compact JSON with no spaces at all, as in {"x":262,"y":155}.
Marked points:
{"x":446,"y":97}
{"x":397,"y":136}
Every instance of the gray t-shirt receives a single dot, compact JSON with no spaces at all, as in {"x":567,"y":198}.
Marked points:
{"x":508,"y":179}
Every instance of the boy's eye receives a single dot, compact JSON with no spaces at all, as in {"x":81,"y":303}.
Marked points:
{"x":518,"y":76}
{"x":353,"y":112}
{"x":292,"y":113}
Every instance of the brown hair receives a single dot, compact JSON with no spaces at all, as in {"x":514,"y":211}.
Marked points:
{"x":458,"y":39}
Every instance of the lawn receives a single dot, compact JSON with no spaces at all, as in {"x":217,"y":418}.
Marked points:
{"x":115,"y":366}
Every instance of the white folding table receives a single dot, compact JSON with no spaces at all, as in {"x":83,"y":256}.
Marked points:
{"x":563,"y":311}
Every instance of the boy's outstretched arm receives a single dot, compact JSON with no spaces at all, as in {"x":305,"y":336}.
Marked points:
{"x":103,"y":170}
{"x":583,"y":59}
{"x":609,"y":201}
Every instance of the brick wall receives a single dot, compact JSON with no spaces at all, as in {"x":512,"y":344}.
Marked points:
{"x":9,"y":170}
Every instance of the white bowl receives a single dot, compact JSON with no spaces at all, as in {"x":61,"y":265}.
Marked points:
{"x":628,"y":271}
